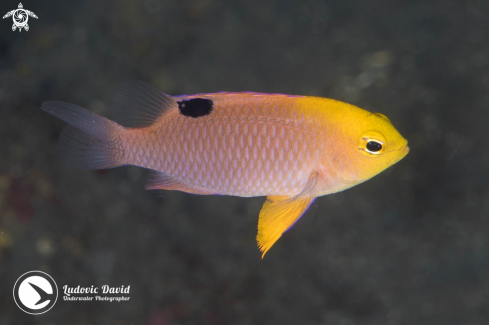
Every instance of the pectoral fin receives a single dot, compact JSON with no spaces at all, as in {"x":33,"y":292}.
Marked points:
{"x":279,"y":213}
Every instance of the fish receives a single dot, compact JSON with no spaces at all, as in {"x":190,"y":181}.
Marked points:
{"x":289,"y":148}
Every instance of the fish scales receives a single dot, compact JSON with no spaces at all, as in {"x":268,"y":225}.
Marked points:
{"x":290,"y":148}
{"x":232,"y":133}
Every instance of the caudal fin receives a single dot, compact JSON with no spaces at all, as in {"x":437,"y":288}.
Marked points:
{"x":89,"y":141}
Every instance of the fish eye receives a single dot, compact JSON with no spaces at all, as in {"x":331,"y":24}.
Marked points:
{"x":374,"y":146}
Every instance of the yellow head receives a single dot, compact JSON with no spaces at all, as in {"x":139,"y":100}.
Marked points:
{"x":364,"y":144}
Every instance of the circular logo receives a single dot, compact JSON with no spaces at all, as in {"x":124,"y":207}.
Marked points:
{"x":35,"y":292}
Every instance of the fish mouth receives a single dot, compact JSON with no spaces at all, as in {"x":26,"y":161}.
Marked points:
{"x":406,"y":148}
{"x":404,"y":151}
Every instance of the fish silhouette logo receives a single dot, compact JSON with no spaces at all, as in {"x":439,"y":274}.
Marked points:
{"x":35,"y":292}
{"x":20,"y":17}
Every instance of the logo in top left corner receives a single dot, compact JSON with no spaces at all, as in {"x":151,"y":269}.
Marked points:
{"x":20,"y":17}
{"x":35,"y":292}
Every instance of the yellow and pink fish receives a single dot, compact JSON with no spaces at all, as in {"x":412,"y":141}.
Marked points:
{"x":291,"y":149}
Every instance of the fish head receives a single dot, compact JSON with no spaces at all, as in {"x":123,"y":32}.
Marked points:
{"x":378,"y":145}
{"x":370,"y":144}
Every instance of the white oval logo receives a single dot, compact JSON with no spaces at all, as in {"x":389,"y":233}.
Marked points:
{"x":35,"y":292}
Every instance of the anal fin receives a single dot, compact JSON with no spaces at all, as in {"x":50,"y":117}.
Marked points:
{"x":279,"y":214}
{"x":161,"y":181}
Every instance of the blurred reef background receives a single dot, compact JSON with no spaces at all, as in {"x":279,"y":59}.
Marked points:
{"x":410,"y":246}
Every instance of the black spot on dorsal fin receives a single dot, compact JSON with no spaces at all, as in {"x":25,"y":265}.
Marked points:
{"x":137,"y":104}
{"x":195,"y":107}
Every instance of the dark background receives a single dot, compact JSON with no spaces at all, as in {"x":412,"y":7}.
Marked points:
{"x":410,"y":246}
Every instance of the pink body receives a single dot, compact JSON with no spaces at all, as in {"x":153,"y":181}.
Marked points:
{"x":246,"y":147}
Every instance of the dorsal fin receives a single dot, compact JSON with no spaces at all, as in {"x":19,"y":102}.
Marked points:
{"x":137,"y":104}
